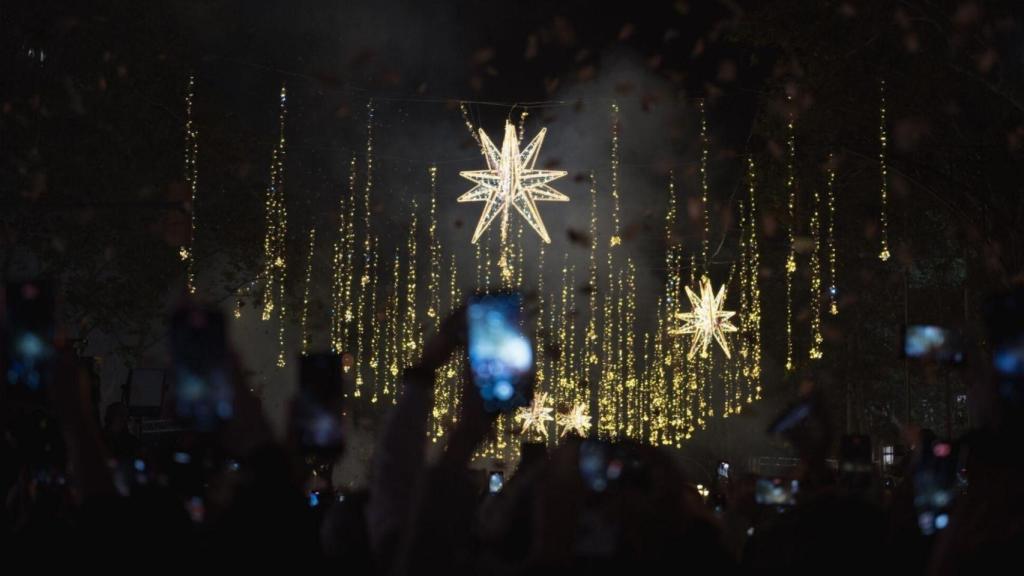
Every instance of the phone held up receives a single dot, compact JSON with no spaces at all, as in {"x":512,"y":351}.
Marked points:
{"x":501,"y":357}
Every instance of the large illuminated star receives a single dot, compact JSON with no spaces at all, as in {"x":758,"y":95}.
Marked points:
{"x":707,"y":321}
{"x":511,"y":180}
{"x":577,"y":420}
{"x":536,"y":415}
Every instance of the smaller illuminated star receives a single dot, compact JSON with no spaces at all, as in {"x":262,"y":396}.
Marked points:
{"x":577,"y":420}
{"x":706,"y":321}
{"x":536,"y":415}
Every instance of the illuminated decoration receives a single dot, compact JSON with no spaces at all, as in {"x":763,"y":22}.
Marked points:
{"x":833,"y":286}
{"x":305,"y":293}
{"x":666,"y":387}
{"x":412,"y":338}
{"x":366,"y":301}
{"x":791,"y":259}
{"x":604,"y":374}
{"x":469,"y":126}
{"x":536,"y":416}
{"x":391,"y":357}
{"x":590,"y":354}
{"x":615,"y":240}
{"x":815,"y":352}
{"x":274,"y":273}
{"x":704,"y":145}
{"x":750,"y":317}
{"x":343,"y":275}
{"x":746,"y":373}
{"x":609,"y":377}
{"x":706,"y":321}
{"x":434,"y":248}
{"x":511,"y":180}
{"x":192,"y":183}
{"x":576,"y":420}
{"x":883,"y":168}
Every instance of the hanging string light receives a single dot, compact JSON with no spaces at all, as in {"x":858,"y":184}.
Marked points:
{"x":815,"y":351}
{"x":393,"y":330}
{"x":743,"y":365}
{"x":883,"y":167}
{"x":791,"y":259}
{"x":631,"y":386}
{"x":274,"y":273}
{"x":615,"y":240}
{"x":374,"y":364}
{"x":704,"y":150}
{"x":305,"y":293}
{"x":667,"y":371}
{"x":434,"y":248}
{"x":608,"y":389}
{"x":752,"y":318}
{"x":413,"y":338}
{"x":469,"y":125}
{"x":344,"y":275}
{"x":591,"y":338}
{"x":192,"y":183}
{"x":274,"y":264}
{"x":833,"y":286}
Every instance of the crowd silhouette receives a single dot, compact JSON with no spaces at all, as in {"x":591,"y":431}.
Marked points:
{"x":83,"y":488}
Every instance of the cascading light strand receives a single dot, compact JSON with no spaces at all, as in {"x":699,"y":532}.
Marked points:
{"x":275,"y":220}
{"x":304,"y":322}
{"x":434,"y":247}
{"x":884,"y":173}
{"x":349,"y":278}
{"x":372,"y":356}
{"x":615,"y":239}
{"x":753,"y":317}
{"x":192,"y":184}
{"x":815,"y":351}
{"x":833,"y":282}
{"x":591,"y":337}
{"x":342,"y":274}
{"x":791,"y":205}
{"x":412,"y":340}
{"x":704,"y":150}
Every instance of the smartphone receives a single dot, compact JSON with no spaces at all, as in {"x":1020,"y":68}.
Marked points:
{"x":935,"y":486}
{"x":316,"y":415}
{"x":778,"y":492}
{"x":203,"y":393}
{"x":28,"y":340}
{"x":723,"y":469}
{"x":500,"y":354}
{"x":495,"y":482}
{"x":933,"y":343}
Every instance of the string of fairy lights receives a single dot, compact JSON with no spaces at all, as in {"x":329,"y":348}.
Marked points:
{"x":814,"y":229}
{"x":608,"y":377}
{"x":192,"y":184}
{"x":275,"y":267}
{"x":883,"y":168}
{"x":304,"y":323}
{"x":833,"y":286}
{"x":791,"y":229}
